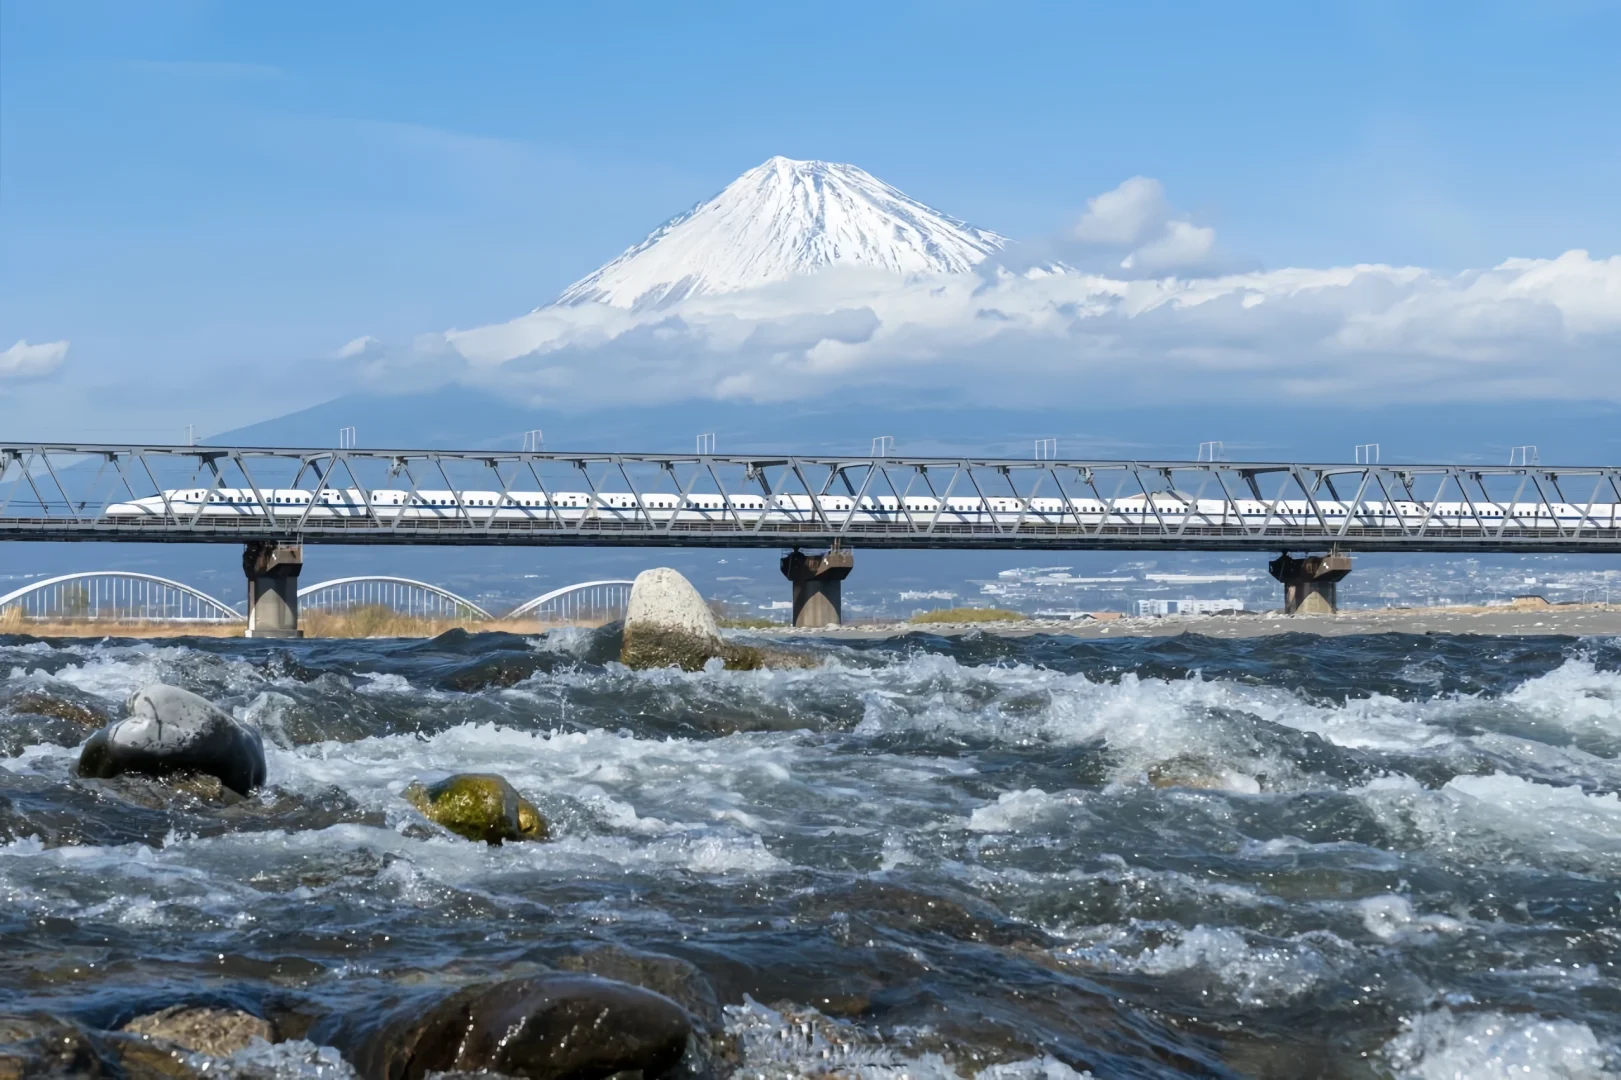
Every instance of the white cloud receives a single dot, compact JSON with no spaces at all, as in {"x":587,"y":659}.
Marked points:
{"x":1183,"y":244}
{"x":1527,"y":327}
{"x":1135,"y":215}
{"x":360,"y":347}
{"x":25,"y":361}
{"x":1126,"y":216}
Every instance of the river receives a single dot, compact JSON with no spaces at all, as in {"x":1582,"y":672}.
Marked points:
{"x":1378,"y":855}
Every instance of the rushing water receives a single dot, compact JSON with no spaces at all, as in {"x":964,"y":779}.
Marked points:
{"x":1283,"y":856}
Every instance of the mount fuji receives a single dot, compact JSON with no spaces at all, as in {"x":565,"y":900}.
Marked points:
{"x":778,"y":220}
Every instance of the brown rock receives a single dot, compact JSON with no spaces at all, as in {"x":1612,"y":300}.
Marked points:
{"x":40,"y":703}
{"x":217,"y":1032}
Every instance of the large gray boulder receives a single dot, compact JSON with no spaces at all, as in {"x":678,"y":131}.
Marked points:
{"x":667,"y":623}
{"x":170,"y":731}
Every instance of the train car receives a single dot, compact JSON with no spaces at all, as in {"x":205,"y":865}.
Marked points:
{"x":608,"y":509}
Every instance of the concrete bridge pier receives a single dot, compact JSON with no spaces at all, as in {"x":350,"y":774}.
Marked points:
{"x":817,"y":584}
{"x":272,"y":571}
{"x":1310,"y":585}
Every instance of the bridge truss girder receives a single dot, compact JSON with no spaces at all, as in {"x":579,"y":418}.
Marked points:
{"x":63,"y":491}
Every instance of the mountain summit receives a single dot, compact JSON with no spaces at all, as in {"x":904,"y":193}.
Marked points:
{"x":780,"y":219}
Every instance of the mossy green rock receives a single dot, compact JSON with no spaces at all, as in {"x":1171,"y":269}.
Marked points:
{"x":654,"y":647}
{"x":479,"y":806}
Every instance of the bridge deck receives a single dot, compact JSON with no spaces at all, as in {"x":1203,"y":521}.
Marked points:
{"x":57,"y":492}
{"x":542,"y":533}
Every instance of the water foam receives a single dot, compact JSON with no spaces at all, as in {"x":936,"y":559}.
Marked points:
{"x":1576,"y":696}
{"x":1444,"y":1045}
{"x":1250,"y":968}
{"x":798,"y":1041}
{"x":1502,"y":816}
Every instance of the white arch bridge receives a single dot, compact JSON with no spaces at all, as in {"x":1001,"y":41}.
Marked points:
{"x":128,"y":596}
{"x":589,"y":601}
{"x":404,"y":595}
{"x":116,"y":596}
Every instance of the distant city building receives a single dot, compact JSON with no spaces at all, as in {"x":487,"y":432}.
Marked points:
{"x":1186,"y":606}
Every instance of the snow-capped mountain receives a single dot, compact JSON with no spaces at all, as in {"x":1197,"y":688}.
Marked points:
{"x":780,"y":219}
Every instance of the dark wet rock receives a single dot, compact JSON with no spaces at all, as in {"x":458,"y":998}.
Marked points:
{"x":172,"y":731}
{"x":947,"y":913}
{"x":141,"y":809}
{"x":668,"y":624}
{"x":181,"y":791}
{"x":468,"y":662}
{"x":283,"y":665}
{"x":675,"y":978}
{"x":495,"y":672}
{"x":479,"y":806}
{"x":42,"y":1045}
{"x":218,"y":1032}
{"x":548,"y":1027}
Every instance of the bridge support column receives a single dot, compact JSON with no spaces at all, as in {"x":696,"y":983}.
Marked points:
{"x":1310,"y":585}
{"x":817,"y":584}
{"x":272,"y":572}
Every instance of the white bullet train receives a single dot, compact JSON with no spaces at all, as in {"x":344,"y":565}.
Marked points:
{"x":1163,"y":509}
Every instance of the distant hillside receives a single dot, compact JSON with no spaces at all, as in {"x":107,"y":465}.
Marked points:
{"x":455,"y":417}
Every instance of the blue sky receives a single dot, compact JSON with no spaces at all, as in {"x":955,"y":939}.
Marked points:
{"x":193,"y":192}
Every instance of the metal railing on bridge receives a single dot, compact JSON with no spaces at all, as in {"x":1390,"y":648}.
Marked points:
{"x":586,"y":602}
{"x":128,"y":596}
{"x":403,"y":595}
{"x":115,"y":596}
{"x":104,"y":492}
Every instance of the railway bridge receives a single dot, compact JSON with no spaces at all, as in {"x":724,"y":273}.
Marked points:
{"x":275,"y":501}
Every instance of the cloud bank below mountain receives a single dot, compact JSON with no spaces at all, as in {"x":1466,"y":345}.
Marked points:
{"x":1547,"y":328}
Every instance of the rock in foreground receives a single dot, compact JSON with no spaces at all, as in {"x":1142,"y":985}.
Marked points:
{"x":172,"y":731}
{"x":544,"y":1028}
{"x":668,"y":624}
{"x":479,"y":806}
{"x":218,"y":1032}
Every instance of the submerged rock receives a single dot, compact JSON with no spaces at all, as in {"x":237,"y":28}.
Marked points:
{"x":172,"y":731}
{"x":546,"y":1028}
{"x":46,"y":1046}
{"x":479,"y":806}
{"x":40,"y":703}
{"x":667,"y":623}
{"x":61,"y":717}
{"x":1189,"y":771}
{"x":679,"y":980}
{"x":218,"y":1032}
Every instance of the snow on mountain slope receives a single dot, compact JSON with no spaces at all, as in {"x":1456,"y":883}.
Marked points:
{"x":780,"y":219}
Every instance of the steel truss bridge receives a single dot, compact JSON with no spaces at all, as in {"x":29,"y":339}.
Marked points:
{"x":63,"y":492}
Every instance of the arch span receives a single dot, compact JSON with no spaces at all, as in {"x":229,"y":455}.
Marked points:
{"x":405,"y":595}
{"x":118,"y":594}
{"x":594,"y":597}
